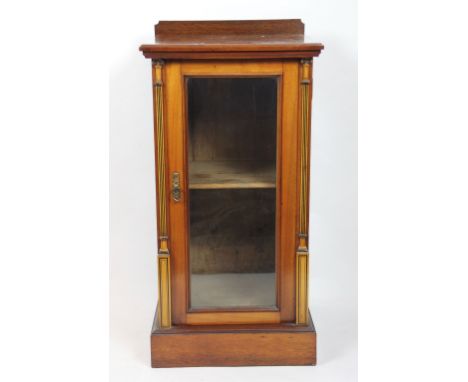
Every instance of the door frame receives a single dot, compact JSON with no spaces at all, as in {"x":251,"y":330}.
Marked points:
{"x":176,"y":128}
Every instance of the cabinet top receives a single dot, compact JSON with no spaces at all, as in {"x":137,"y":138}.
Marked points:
{"x":248,"y":39}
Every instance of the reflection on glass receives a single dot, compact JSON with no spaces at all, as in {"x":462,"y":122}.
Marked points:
{"x":232,"y":191}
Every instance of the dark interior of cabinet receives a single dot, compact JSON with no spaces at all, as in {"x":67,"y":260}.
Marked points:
{"x":232,"y":230}
{"x":232,"y":119}
{"x":232,"y":125}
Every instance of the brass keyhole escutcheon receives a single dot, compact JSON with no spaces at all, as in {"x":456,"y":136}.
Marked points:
{"x":175,"y":192}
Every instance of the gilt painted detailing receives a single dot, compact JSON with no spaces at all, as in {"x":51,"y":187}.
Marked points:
{"x":302,"y":271}
{"x":302,"y":254}
{"x":164,"y":268}
{"x":164,"y":291}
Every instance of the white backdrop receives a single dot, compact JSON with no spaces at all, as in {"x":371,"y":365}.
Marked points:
{"x":333,"y":212}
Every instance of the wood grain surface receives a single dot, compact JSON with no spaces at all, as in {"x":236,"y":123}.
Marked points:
{"x":234,"y":345}
{"x":248,"y":39}
{"x":225,"y":27}
{"x":231,"y":174}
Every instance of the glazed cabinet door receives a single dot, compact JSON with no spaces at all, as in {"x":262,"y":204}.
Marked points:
{"x":230,"y":141}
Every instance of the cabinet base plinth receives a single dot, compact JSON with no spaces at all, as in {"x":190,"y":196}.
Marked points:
{"x":233,"y":345}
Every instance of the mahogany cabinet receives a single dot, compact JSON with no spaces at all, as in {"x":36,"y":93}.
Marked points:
{"x":232,"y":105}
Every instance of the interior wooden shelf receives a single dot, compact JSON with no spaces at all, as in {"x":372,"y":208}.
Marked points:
{"x":231,"y":174}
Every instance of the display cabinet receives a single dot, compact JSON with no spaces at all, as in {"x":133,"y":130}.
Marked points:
{"x":232,"y":107}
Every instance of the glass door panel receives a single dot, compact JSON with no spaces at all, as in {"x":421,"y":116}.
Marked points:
{"x":232,"y":123}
